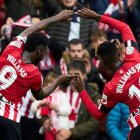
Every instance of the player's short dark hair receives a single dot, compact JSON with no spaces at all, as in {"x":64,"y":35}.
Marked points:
{"x":35,"y":39}
{"x":75,"y":42}
{"x":107,"y":50}
{"x":77,"y":64}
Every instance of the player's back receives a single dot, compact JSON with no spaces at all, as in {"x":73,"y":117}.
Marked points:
{"x":125,"y":84}
{"x":16,"y":77}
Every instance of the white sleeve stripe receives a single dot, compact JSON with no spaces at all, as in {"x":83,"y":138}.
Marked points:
{"x":129,"y":44}
{"x":21,"y":38}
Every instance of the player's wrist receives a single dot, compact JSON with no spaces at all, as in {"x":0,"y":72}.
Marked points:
{"x":81,"y":91}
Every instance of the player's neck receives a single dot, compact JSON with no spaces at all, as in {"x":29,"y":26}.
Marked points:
{"x":114,"y":67}
{"x":117,"y":66}
{"x":26,"y":57}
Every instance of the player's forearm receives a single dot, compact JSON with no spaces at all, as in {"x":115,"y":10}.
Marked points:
{"x":46,"y":91}
{"x":40,"y":25}
{"x":91,"y":106}
{"x":49,"y":89}
{"x":122,"y":27}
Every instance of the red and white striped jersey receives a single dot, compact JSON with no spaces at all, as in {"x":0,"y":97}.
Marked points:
{"x":16,"y":78}
{"x":48,"y":62}
{"x":9,"y":110}
{"x":25,"y":109}
{"x":63,"y":66}
{"x":75,"y":102}
{"x":124,"y":87}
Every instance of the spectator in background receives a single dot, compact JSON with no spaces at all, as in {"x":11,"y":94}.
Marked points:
{"x":6,"y":32}
{"x":24,"y":7}
{"x":29,"y":125}
{"x":101,"y":6}
{"x":2,"y":13}
{"x":76,"y":50}
{"x":116,"y":124}
{"x":82,"y":126}
{"x":116,"y":9}
{"x":52,"y":7}
{"x":77,"y":27}
{"x":55,"y":113}
{"x":133,"y":18}
{"x":134,"y":14}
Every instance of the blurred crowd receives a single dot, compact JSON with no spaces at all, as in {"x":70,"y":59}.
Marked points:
{"x":72,"y":46}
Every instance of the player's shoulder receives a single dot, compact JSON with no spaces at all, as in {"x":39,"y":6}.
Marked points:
{"x":108,"y":87}
{"x":18,"y":41}
{"x":129,"y":50}
{"x":111,"y":85}
{"x":31,"y":68}
{"x":131,"y":53}
{"x":33,"y":75}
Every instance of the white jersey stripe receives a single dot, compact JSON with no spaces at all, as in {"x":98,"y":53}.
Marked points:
{"x":18,"y":114}
{"x":25,"y":107}
{"x":11,"y":113}
{"x":2,"y":108}
{"x":129,"y":43}
{"x":133,"y":120}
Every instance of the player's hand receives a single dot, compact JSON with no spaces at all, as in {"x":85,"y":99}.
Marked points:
{"x":87,"y":13}
{"x":78,"y":84}
{"x":65,"y":78}
{"x":65,"y":14}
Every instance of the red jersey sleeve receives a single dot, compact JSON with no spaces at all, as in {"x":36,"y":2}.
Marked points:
{"x":37,"y":82}
{"x":16,"y":45}
{"x":122,"y":27}
{"x":91,"y":106}
{"x":131,"y":54}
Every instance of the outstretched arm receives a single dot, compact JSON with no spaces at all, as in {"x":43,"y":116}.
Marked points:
{"x":122,"y":27}
{"x":65,"y":14}
{"x":46,"y":91}
{"x":90,"y":105}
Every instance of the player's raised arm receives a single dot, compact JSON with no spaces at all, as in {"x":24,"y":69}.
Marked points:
{"x":90,"y":105}
{"x":63,"y":15}
{"x":122,"y":27}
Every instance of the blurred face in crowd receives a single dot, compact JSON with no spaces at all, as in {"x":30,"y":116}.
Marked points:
{"x":73,"y":71}
{"x":69,"y":3}
{"x":49,"y":79}
{"x":76,"y":51}
{"x":96,"y":42}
